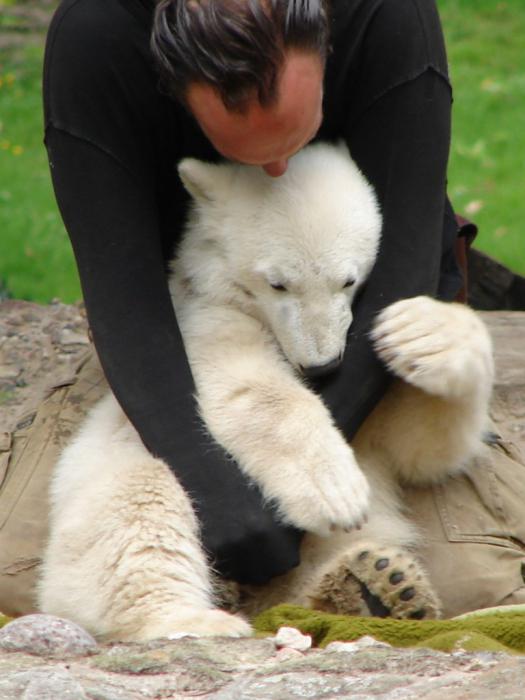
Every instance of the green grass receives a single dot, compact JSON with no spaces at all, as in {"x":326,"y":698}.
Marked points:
{"x":486,"y":177}
{"x":35,"y":260}
{"x":485,"y":40}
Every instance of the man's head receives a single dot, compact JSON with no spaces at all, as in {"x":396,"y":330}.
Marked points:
{"x":250,"y":71}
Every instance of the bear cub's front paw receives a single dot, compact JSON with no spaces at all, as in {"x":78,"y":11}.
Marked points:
{"x":329,"y":491}
{"x":442,"y":348}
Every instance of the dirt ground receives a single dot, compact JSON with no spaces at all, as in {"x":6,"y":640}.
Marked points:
{"x":39,"y":345}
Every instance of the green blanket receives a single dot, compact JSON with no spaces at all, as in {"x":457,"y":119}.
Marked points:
{"x":493,"y":629}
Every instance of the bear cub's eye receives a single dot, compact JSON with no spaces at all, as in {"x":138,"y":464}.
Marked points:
{"x":349,"y":283}
{"x":278,"y":287}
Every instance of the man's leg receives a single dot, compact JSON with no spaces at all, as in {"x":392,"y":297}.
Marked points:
{"x":474,"y":533}
{"x":28,"y":455}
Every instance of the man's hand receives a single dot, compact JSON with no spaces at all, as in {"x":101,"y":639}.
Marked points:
{"x":240,"y":533}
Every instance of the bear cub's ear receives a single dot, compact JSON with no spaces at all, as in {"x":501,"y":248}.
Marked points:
{"x":205,"y":181}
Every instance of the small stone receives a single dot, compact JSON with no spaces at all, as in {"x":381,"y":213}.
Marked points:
{"x":286,"y":653}
{"x":9,"y":372}
{"x":70,"y":337}
{"x":46,"y":635}
{"x":31,"y":315}
{"x":292,"y":638}
{"x":352,"y":647}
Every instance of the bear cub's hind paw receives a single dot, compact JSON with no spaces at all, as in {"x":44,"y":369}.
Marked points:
{"x":380,"y":582}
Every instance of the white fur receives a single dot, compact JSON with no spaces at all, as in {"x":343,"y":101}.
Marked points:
{"x":124,"y":558}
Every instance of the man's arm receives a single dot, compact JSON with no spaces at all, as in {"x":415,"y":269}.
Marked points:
{"x":111,"y":219}
{"x":401,"y":144}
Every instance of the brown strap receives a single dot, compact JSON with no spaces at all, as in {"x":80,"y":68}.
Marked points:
{"x":467,"y":232}
{"x":466,"y":229}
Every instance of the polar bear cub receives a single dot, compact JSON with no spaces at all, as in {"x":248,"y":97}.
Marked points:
{"x":263,"y":286}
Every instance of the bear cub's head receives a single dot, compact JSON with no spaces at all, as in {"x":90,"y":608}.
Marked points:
{"x":291,"y":251}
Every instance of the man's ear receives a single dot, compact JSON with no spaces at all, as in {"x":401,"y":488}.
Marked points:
{"x":205,"y":181}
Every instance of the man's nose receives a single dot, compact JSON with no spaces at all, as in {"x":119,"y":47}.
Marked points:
{"x":276,"y":169}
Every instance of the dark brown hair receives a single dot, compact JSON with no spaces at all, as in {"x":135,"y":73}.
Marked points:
{"x":236,"y":46}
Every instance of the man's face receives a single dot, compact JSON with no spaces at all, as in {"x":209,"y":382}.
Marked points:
{"x":265,"y":136}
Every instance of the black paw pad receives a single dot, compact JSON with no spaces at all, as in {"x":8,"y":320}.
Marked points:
{"x":363,"y":555}
{"x":407,"y":594}
{"x":374,"y":603}
{"x":396,"y":577}
{"x":417,"y":614}
{"x":382,"y":564}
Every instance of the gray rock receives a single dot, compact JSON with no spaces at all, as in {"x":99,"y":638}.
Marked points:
{"x":9,"y":372}
{"x":70,"y":337}
{"x":352,"y":647}
{"x":375,"y":674}
{"x":46,"y":635}
{"x":250,"y":669}
{"x":53,"y":685}
{"x":41,"y":684}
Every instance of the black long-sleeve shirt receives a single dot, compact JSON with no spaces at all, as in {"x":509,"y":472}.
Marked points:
{"x":114,"y":141}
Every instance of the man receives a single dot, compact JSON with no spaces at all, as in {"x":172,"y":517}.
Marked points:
{"x":250,"y":81}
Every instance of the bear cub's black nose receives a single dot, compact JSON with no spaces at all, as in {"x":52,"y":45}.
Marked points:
{"x":320,"y":370}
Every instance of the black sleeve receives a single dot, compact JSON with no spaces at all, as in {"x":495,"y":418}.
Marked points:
{"x":112,"y":222}
{"x":401,"y":143}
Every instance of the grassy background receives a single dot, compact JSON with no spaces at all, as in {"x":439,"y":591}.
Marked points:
{"x":486,"y":176}
{"x":35,"y":258}
{"x":485,"y":40}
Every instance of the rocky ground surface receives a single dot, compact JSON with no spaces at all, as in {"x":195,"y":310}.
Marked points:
{"x":46,"y":659}
{"x":50,"y":659}
{"x":39,"y":346}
